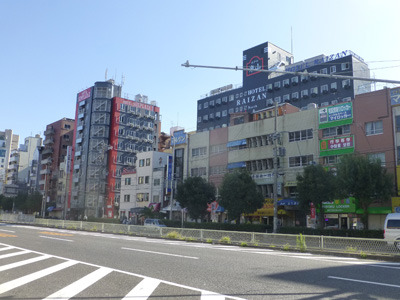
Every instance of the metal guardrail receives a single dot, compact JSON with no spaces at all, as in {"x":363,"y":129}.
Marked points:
{"x":283,"y":241}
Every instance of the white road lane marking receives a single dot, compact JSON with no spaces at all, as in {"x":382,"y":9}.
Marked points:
{"x":6,"y":248}
{"x":364,"y":281}
{"x":10,"y":285}
{"x":54,"y":238}
{"x":13,"y":254}
{"x":24,"y":262}
{"x":7,"y":230}
{"x":78,"y":286}
{"x":143,"y":290}
{"x":160,"y":253}
{"x":211,"y":296}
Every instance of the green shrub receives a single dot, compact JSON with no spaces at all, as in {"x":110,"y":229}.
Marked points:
{"x":243,"y":244}
{"x":190,"y":239}
{"x":363,"y":254}
{"x":225,"y":240}
{"x":372,"y":234}
{"x":209,"y":241}
{"x":286,"y":247}
{"x":301,"y":243}
{"x":174,"y":235}
{"x":351,"y":249}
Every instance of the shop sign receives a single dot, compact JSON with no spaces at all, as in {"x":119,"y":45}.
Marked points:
{"x":84,"y":94}
{"x":395,"y":96}
{"x":347,"y":205}
{"x":336,"y":115}
{"x":395,"y":204}
{"x":178,"y":138}
{"x":312,"y":211}
{"x":337,"y":146}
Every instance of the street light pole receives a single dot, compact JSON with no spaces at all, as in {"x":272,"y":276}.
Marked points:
{"x":173,"y":176}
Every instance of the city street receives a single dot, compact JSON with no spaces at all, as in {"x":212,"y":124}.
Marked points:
{"x":37,"y":263}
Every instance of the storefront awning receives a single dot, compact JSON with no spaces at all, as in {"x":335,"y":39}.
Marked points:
{"x":240,"y":164}
{"x":288,"y":202}
{"x":236,"y":143}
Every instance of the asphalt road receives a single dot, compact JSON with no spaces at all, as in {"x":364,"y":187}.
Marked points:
{"x":36,"y":263}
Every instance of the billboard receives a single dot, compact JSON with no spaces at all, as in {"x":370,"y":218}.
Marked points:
{"x":336,"y":115}
{"x":340,"y":206}
{"x":178,"y":138}
{"x":84,"y":94}
{"x":336,"y":146}
{"x":395,"y":96}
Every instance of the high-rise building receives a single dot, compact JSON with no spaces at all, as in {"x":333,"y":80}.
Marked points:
{"x":8,"y":142}
{"x":58,"y":137}
{"x":109,"y":131}
{"x":261,"y":90}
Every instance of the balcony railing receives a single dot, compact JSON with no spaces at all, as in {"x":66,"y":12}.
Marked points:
{"x":49,"y":131}
{"x":47,"y":151}
{"x":48,"y":141}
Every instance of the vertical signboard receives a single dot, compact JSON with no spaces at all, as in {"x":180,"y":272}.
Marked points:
{"x":395,"y":96}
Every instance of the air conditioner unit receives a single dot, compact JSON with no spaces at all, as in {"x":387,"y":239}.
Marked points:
{"x":325,"y":92}
{"x":333,"y":90}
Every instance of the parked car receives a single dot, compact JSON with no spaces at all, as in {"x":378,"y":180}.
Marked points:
{"x":154,"y":222}
{"x":392,"y":229}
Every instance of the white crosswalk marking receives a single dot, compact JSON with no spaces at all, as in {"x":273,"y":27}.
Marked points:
{"x":211,"y":296}
{"x":143,"y":290}
{"x":6,"y":248}
{"x":13,"y":254}
{"x":80,"y":285}
{"x":23,"y":262}
{"x":8,"y":286}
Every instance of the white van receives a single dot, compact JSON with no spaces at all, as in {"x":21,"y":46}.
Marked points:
{"x":392,"y":229}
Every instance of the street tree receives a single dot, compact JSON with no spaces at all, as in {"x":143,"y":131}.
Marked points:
{"x":315,"y":185}
{"x":239,"y":194}
{"x":364,"y":179}
{"x":194,"y":193}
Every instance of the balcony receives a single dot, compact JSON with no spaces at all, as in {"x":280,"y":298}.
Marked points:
{"x":79,"y":140}
{"x":77,"y":167}
{"x":44,"y":172}
{"x":82,"y":103}
{"x":76,"y":179}
{"x":81,"y":115}
{"x":46,"y":161}
{"x":47,"y":151}
{"x":49,"y":131}
{"x":78,"y":153}
{"x":13,"y":159}
{"x":42,"y":182}
{"x":48,"y":141}
{"x":13,"y":167}
{"x":79,"y":128}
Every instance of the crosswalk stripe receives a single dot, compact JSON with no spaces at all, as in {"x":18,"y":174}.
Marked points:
{"x":79,"y":285}
{"x":23,"y":262}
{"x":10,"y":285}
{"x":143,"y":290}
{"x":13,"y":254}
{"x":211,"y":296}
{"x":6,"y":248}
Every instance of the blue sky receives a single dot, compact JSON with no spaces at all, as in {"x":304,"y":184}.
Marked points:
{"x":51,"y":50}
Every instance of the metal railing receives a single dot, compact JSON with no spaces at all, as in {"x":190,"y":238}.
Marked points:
{"x":280,"y":241}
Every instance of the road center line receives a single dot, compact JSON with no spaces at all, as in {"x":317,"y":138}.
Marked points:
{"x":53,"y":238}
{"x":161,"y":253}
{"x":363,"y":281}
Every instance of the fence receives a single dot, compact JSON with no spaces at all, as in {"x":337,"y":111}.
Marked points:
{"x":283,"y":241}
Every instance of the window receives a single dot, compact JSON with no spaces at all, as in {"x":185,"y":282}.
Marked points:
{"x":397,"y":123}
{"x":218,"y":115}
{"x":269,"y":87}
{"x":304,"y":94}
{"x":324,"y":71}
{"x":333,"y":86}
{"x":205,"y":105}
{"x":212,"y":103}
{"x":330,"y":160}
{"x":277,"y":99}
{"x":218,"y":101}
{"x":295,"y":80}
{"x":211,"y":116}
{"x":304,"y":78}
{"x":237,"y":121}
{"x":127,"y":198}
{"x":314,"y":91}
{"x":300,"y":161}
{"x":198,"y":119}
{"x":224,"y":113}
{"x":147,"y":179}
{"x":324,"y":89}
{"x":300,"y":135}
{"x":140,"y":180}
{"x":372,"y":128}
{"x":199,"y":107}
{"x":127,"y":181}
{"x":346,"y":83}
{"x":335,"y":131}
{"x":67,"y":126}
{"x":332,"y":69}
{"x":375,"y":157}
{"x":286,"y":83}
{"x":295,"y":96}
{"x":199,"y":151}
{"x":215,"y":149}
{"x":286,"y":98}
{"x":141,"y":163}
{"x":345,"y":66}
{"x":225,"y":99}
{"x":231,"y":97}
{"x":157,"y":181}
{"x":231,"y":111}
{"x":148,"y":161}
{"x":277,"y":85}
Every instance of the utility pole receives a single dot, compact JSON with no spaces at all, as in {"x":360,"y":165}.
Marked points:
{"x":275,"y":228}
{"x":173,"y":176}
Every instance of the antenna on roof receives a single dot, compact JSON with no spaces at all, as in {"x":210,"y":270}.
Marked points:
{"x":122,"y":79}
{"x":291,"y":40}
{"x":105,"y":75}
